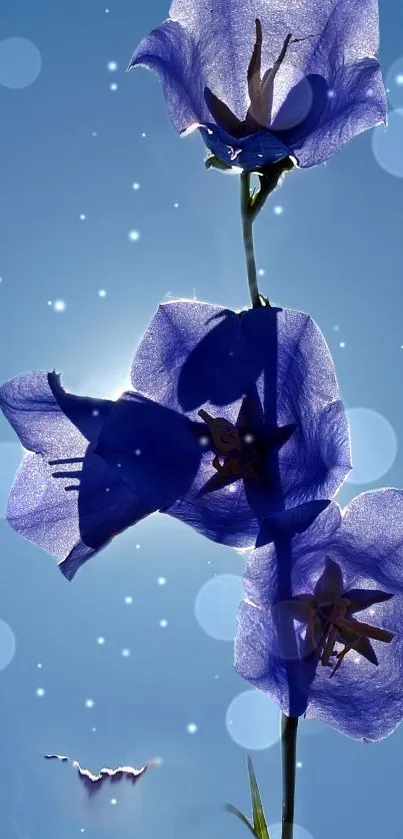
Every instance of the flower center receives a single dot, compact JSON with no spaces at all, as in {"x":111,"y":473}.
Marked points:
{"x":234,"y":455}
{"x":331,"y":623}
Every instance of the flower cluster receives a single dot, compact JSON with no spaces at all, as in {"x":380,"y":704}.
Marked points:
{"x":234,"y":423}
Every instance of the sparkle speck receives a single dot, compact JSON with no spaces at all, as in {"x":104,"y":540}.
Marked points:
{"x":39,"y":665}
{"x":138,"y":547}
{"x":95,"y":412}
{"x":161,"y":581}
{"x":336,"y":328}
{"x":82,"y":217}
{"x":93,"y":729}
{"x":299,"y":764}
{"x":261,"y":272}
{"x":40,"y":692}
{"x":101,"y":292}
{"x":59,"y":305}
{"x":204,"y":441}
{"x":191,"y":728}
{"x":137,"y":452}
{"x":232,"y":488}
{"x":112,"y":66}
{"x":136,"y":186}
{"x":95,"y":133}
{"x":125,"y":653}
{"x":399,"y":79}
{"x":113,"y":86}
{"x":176,"y":205}
{"x":278,"y":210}
{"x":342,"y":344}
{"x":134,"y":235}
{"x":114,"y":801}
{"x":100,"y":641}
{"x":163,"y":623}
{"x":89,"y":703}
{"x":144,"y":134}
{"x":128,"y":600}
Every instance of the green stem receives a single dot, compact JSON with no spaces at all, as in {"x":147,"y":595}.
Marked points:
{"x":247,"y":225}
{"x":289,"y":726}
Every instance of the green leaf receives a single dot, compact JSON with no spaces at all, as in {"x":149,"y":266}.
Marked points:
{"x":213,"y":162}
{"x":234,"y":810}
{"x":259,"y":821}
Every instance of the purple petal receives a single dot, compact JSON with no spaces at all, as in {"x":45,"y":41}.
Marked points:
{"x":64,"y":498}
{"x":357,"y":103}
{"x":361,"y":700}
{"x":195,"y":355}
{"x":173,"y":53}
{"x":154,"y":450}
{"x":32,"y":405}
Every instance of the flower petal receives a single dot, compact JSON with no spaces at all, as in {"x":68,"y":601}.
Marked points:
{"x":173,"y":53}
{"x":154,"y":450}
{"x":64,"y":498}
{"x":39,"y":409}
{"x":194,"y":354}
{"x":357,"y":102}
{"x":361,"y":700}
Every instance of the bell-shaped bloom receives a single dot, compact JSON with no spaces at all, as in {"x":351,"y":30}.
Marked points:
{"x":260,"y":389}
{"x":321,"y":628}
{"x":264,"y":83}
{"x":65,"y":498}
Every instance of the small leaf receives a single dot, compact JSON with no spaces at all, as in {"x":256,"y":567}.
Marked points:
{"x":234,"y":810}
{"x":214,"y":162}
{"x":259,"y":821}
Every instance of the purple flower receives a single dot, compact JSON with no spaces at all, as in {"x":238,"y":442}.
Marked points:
{"x":234,"y":417}
{"x":261,"y":390}
{"x":263,"y":83}
{"x":65,"y":498}
{"x":320,"y":631}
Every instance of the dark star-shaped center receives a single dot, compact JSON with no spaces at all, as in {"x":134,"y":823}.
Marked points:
{"x":332,"y":629}
{"x":240,"y":451}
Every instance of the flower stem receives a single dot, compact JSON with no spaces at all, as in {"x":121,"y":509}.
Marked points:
{"x":289,"y":727}
{"x":247,"y":225}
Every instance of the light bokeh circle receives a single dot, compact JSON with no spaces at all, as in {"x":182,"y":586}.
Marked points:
{"x":20,"y":62}
{"x":373,"y":445}
{"x":387,"y":144}
{"x":11,"y":455}
{"x":253,"y":721}
{"x":7,"y":645}
{"x":217,"y":604}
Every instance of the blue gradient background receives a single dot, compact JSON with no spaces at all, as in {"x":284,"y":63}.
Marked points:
{"x":70,"y":146}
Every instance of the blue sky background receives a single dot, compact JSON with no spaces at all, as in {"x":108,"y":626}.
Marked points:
{"x":76,"y":294}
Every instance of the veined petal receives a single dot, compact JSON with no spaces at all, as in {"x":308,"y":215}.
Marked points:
{"x":153,"y":449}
{"x":361,"y":700}
{"x":356,"y":102}
{"x":173,"y":53}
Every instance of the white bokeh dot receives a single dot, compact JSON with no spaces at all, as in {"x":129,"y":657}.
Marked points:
{"x":10,"y":459}
{"x":394,"y":83}
{"x":20,"y":62}
{"x":7,"y":645}
{"x":134,"y":235}
{"x":253,"y":720}
{"x":217,"y":604}
{"x":59,"y":305}
{"x":387,"y":144}
{"x":373,"y":445}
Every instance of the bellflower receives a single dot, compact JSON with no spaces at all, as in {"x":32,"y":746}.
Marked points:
{"x":265,"y":81}
{"x":260,"y":389}
{"x":321,"y":628}
{"x":65,"y":498}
